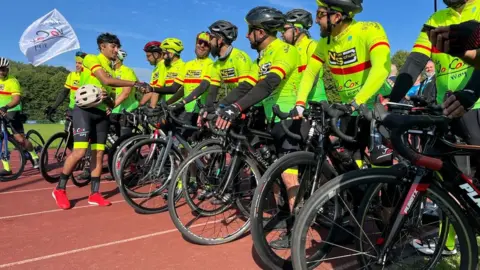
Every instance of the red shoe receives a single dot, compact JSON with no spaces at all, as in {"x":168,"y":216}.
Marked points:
{"x":97,"y":199}
{"x":60,"y":196}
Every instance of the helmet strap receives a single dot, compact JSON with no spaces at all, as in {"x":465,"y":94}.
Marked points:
{"x":331,"y":25}
{"x":257,"y":42}
{"x":227,"y":53}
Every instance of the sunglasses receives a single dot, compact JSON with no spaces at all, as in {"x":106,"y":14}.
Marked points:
{"x":251,"y":29}
{"x":203,"y":43}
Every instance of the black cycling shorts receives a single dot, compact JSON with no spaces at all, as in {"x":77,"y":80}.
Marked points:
{"x":191,"y":118}
{"x":283,"y":143}
{"x":120,"y":123}
{"x":89,"y":126}
{"x":16,"y":120}
{"x":468,"y":127}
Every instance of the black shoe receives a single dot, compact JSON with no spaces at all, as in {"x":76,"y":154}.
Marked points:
{"x":4,"y":172}
{"x":284,"y":242}
{"x":224,"y":200}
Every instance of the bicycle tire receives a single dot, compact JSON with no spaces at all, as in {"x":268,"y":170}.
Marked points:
{"x":127,"y":194}
{"x":172,"y":199}
{"x":37,"y":149}
{"x":393,"y":175}
{"x":121,"y":151}
{"x":21,"y":163}
{"x":264,"y":251}
{"x":44,"y":157}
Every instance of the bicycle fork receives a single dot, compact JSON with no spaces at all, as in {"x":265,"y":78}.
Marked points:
{"x":412,"y":198}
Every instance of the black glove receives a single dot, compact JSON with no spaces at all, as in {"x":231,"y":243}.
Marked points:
{"x":143,"y":87}
{"x":297,"y":111}
{"x":4,"y":109}
{"x":466,"y":97}
{"x":463,"y":37}
{"x":50,"y":110}
{"x":229,"y":113}
{"x":177,"y":106}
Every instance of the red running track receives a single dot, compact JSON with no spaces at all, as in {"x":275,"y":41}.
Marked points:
{"x":35,"y":234}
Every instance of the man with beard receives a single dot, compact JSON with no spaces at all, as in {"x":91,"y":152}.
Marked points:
{"x":90,"y":121}
{"x":358,"y":55}
{"x":231,"y":70}
{"x":154,"y":54}
{"x":277,"y":69}
{"x":428,"y":88}
{"x":168,"y":82}
{"x":190,"y":77}
{"x":296,"y":33}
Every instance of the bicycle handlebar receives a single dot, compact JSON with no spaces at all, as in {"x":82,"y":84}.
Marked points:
{"x":283,"y":116}
{"x":398,"y":124}
{"x":176,"y":119}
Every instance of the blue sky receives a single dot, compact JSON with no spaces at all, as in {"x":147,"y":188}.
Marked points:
{"x":138,"y":22}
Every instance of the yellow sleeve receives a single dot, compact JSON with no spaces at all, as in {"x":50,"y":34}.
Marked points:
{"x":422,"y":44}
{"x":69,"y":81}
{"x":181,"y":74}
{"x":92,"y":63}
{"x":285,"y":61}
{"x":379,"y":48}
{"x":129,"y":75}
{"x":314,"y":66}
{"x":157,"y":74}
{"x":244,"y":66}
{"x":15,"y":89}
{"x":254,"y":73}
{"x":213,"y":77}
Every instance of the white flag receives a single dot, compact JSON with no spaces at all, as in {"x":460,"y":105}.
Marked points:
{"x":47,"y":37}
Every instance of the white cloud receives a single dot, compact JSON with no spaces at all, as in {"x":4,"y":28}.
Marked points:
{"x":143,"y":74}
{"x":101,"y":29}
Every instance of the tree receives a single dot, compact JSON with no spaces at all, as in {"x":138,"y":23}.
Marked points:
{"x":40,"y":86}
{"x":399,"y":58}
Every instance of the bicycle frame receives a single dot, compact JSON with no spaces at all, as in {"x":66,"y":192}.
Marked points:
{"x":5,"y":154}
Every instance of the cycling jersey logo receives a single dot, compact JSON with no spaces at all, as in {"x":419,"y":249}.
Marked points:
{"x":456,"y":69}
{"x":194,"y":74}
{"x":80,"y":132}
{"x":2,"y":87}
{"x":264,"y":69}
{"x":227,"y":73}
{"x":155,"y":76}
{"x":75,"y":83}
{"x":171,"y":75}
{"x":348,"y":84}
{"x":343,"y":58}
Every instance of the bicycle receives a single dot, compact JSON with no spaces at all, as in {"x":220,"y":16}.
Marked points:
{"x":432,"y":174}
{"x":223,"y":175}
{"x":320,"y":160}
{"x":154,"y":167}
{"x":22,"y":154}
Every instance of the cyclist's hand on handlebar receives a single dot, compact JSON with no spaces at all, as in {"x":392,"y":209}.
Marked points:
{"x":50,"y":110}
{"x":143,"y":87}
{"x":202,"y":115}
{"x":226,"y":116}
{"x":3,"y":111}
{"x":453,"y":108}
{"x":297,"y":112}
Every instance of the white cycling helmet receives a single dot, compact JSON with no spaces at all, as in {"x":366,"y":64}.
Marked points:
{"x":121,"y":55}
{"x":88,"y":96}
{"x":4,"y":62}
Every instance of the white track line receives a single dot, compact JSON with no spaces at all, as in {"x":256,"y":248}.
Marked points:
{"x":41,"y":258}
{"x":52,"y":211}
{"x":49,"y":188}
{"x":85,"y":249}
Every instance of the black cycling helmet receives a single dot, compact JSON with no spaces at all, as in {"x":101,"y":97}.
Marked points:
{"x":267,"y":18}
{"x":347,"y":7}
{"x":108,"y":38}
{"x":300,"y":16}
{"x":226,"y":29}
{"x":454,"y":3}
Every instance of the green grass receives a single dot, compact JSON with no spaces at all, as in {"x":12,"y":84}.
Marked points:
{"x":453,"y":262}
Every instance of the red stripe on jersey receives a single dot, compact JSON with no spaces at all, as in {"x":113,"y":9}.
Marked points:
{"x":351,"y":70}
{"x":379,"y":44}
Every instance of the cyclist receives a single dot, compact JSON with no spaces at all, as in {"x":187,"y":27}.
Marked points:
{"x":277,"y":67}
{"x":191,"y":78}
{"x":154,"y":56}
{"x":295,"y":32}
{"x":71,"y":85}
{"x":231,"y":69}
{"x":358,"y":55}
{"x":452,"y":74}
{"x":11,"y":107}
{"x":170,"y":83}
{"x":124,"y":96}
{"x":90,"y":124}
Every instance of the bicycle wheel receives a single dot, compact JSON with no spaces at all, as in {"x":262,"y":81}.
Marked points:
{"x":16,"y":159}
{"x":53,"y":156}
{"x":37,"y":141}
{"x":147,"y":182}
{"x":392,"y":176}
{"x":271,"y":218}
{"x":113,"y":151}
{"x":202,"y":173}
{"x":120,"y":152}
